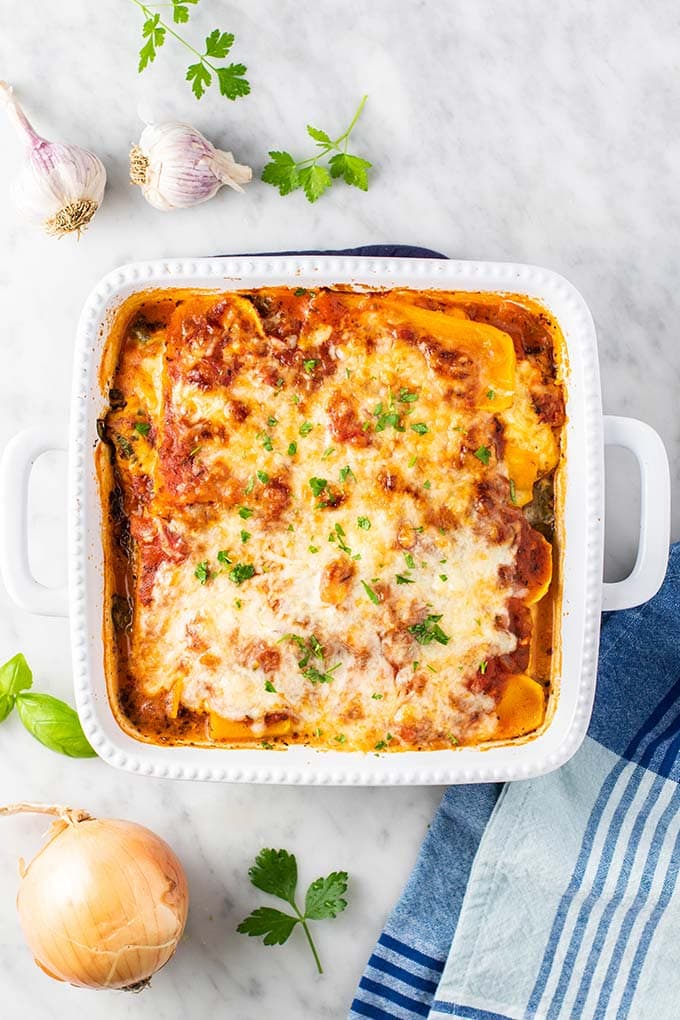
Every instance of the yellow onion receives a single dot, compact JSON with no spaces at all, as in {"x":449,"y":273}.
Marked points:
{"x":104,"y":903}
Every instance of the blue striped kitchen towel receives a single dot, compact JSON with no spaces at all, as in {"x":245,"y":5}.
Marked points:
{"x":556,"y":897}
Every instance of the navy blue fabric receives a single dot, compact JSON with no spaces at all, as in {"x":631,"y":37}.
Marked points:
{"x":384,"y":251}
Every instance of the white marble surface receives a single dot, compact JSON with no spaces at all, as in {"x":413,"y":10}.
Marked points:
{"x":517,"y":131}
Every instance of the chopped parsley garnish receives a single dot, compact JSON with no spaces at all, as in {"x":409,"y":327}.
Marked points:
{"x":238,"y":603}
{"x":381,"y":745}
{"x":340,"y":535}
{"x":346,"y":473}
{"x":302,"y":291}
{"x":245,"y":512}
{"x":313,"y":548}
{"x":402,"y":579}
{"x":125,"y":446}
{"x":306,"y":428}
{"x":292,"y":449}
{"x":413,"y":461}
{"x":410,"y":562}
{"x":453,"y":739}
{"x":371,"y":594}
{"x":245,"y":535}
{"x":241,"y":572}
{"x":202,"y":572}
{"x":490,"y":395}
{"x":316,"y":676}
{"x":513,"y":494}
{"x":223,"y":556}
{"x":483,"y":454}
{"x":327,"y":453}
{"x":271,"y":422}
{"x":415,"y":664}
{"x":482,"y":666}
{"x":443,"y":577}
{"x":317,"y":485}
{"x":267,"y":746}
{"x":269,"y":687}
{"x":310,"y":364}
{"x":250,"y":486}
{"x":364,"y":523}
{"x":406,"y":396}
{"x":431,"y":668}
{"x":142,"y":427}
{"x":429,"y":630}
{"x":196,"y":449}
{"x":341,"y":738}
{"x":420,"y":427}
{"x":387,"y":417}
{"x":266,"y":441}
{"x":377,"y":697}
{"x":263,"y":477}
{"x":427,"y":485}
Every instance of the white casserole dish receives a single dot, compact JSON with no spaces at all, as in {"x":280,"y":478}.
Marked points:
{"x":584,"y":594}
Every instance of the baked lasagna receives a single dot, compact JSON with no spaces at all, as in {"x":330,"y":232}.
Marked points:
{"x":330,"y":517}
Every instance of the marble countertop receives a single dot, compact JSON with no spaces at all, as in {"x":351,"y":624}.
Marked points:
{"x":496,"y":131}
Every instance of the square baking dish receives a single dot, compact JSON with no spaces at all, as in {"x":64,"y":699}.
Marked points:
{"x":582,"y":535}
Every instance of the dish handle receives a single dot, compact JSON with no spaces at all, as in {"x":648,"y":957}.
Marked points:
{"x":16,"y":465}
{"x":649,"y":571}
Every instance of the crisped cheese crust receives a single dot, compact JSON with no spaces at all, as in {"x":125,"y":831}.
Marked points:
{"x":323,"y":493}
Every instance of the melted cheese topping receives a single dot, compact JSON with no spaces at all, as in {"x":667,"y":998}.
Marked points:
{"x":323,"y":492}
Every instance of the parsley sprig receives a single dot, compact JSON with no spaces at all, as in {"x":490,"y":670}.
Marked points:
{"x":275,"y":872}
{"x":288,"y":174}
{"x":231,"y":79}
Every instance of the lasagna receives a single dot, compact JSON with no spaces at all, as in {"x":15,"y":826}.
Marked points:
{"x":330,"y":517}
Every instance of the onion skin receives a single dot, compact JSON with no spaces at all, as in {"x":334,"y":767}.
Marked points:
{"x":103,"y":904}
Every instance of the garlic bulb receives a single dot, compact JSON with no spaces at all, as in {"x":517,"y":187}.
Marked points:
{"x":176,"y":166}
{"x":104,"y":903}
{"x":61,"y":186}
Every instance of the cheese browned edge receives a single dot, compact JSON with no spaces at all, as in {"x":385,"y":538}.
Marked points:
{"x":159,"y":728}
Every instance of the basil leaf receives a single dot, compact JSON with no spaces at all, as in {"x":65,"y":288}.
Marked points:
{"x":55,"y":724}
{"x":15,"y":676}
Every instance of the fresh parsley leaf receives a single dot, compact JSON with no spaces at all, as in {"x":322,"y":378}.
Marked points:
{"x":319,"y":136}
{"x":381,"y":745}
{"x":377,"y":697}
{"x":273,"y":926}
{"x":233,"y":83}
{"x":282,"y":172}
{"x":218,"y":44}
{"x":352,"y":169}
{"x":263,"y":477}
{"x":402,"y":579}
{"x":325,"y":896}
{"x":292,"y":449}
{"x":314,"y":180}
{"x":309,"y":365}
{"x":364,"y":523}
{"x":275,"y":872}
{"x":153,"y":31}
{"x":54,"y":723}
{"x":317,"y":485}
{"x":406,"y":396}
{"x":346,"y":473}
{"x":305,"y":428}
{"x":313,"y":548}
{"x":245,"y":535}
{"x":420,"y":427}
{"x":142,"y":427}
{"x":288,"y":174}
{"x":200,"y":78}
{"x":410,"y":562}
{"x":223,"y":556}
{"x":202,"y":572}
{"x":241,"y":572}
{"x":513,"y":494}
{"x":269,"y":687}
{"x":245,"y":512}
{"x":428,"y":630}
{"x":15,"y":676}
{"x":483,"y":454}
{"x":371,"y":593}
{"x":490,"y":395}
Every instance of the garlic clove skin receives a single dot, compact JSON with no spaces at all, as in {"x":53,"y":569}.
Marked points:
{"x":60,"y":186}
{"x":176,"y":167}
